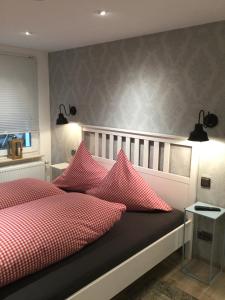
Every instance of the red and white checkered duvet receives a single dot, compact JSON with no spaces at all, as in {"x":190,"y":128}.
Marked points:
{"x":25,"y":190}
{"x":39,"y":233}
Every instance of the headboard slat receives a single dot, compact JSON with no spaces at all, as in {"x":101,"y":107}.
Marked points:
{"x":104,"y":145}
{"x":128,"y":147}
{"x":119,"y":143}
{"x":136,"y":152}
{"x":166,"y":158}
{"x":111,"y":140}
{"x":96,"y":144}
{"x":146,"y":154}
{"x":156,"y":156}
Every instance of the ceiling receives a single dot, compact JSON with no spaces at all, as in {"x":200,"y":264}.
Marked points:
{"x":63,"y":24}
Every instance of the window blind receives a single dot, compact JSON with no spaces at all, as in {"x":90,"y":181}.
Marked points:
{"x":18,"y":94}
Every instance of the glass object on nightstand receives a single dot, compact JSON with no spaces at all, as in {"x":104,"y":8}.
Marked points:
{"x":208,"y":240}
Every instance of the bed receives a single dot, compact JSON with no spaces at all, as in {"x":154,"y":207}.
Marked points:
{"x":134,"y":232}
{"x":136,"y":243}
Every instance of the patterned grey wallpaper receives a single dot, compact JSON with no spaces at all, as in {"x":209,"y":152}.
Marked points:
{"x":154,"y":83}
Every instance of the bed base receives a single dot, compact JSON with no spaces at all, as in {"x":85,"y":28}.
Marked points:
{"x":117,"y":279}
{"x":179,"y":191}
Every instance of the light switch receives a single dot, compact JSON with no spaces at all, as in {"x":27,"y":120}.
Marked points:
{"x":206,"y":182}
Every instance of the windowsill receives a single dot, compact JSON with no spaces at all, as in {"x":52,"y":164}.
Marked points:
{"x":4,"y":161}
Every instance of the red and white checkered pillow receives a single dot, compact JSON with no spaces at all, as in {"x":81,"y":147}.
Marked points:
{"x":24,"y":190}
{"x":83,"y":172}
{"x":123,"y":184}
{"x":37,"y":234}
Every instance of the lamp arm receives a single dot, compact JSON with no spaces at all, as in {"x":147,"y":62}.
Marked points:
{"x":199,"y":116}
{"x":60,"y":109}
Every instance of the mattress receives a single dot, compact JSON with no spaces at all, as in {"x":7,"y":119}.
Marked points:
{"x":135,"y":231}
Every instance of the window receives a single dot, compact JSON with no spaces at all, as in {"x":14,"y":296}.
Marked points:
{"x":5,"y":138}
{"x":18,"y":101}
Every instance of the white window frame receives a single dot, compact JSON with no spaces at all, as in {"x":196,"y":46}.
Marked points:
{"x":26,"y":150}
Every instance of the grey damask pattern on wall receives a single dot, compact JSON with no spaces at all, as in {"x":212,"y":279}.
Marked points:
{"x":155,"y":83}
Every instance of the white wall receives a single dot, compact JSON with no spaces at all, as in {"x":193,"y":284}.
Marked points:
{"x":212,"y":165}
{"x":43,"y":96}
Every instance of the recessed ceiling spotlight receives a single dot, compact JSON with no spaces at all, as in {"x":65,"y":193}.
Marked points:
{"x":28,"y":33}
{"x":102,"y":13}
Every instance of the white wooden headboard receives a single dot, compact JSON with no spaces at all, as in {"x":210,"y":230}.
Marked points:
{"x":153,"y":156}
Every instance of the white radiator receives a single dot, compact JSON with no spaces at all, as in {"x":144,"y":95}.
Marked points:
{"x":32,"y":170}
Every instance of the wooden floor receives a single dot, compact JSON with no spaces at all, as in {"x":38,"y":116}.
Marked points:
{"x":169,"y":272}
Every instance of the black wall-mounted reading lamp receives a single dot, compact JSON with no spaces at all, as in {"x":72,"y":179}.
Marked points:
{"x":62,"y":120}
{"x":208,"y":120}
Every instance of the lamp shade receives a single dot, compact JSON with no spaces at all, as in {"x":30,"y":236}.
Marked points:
{"x":198,"y":134}
{"x":61,"y":120}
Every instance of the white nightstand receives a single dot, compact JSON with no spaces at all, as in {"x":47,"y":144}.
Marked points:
{"x":60,"y":166}
{"x":207,"y":243}
{"x":57,"y":169}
